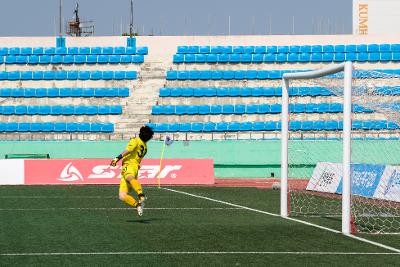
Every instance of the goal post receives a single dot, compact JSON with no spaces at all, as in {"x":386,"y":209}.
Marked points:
{"x":347,"y":68}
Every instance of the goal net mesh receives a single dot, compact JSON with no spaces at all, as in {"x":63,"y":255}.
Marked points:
{"x":315,"y":150}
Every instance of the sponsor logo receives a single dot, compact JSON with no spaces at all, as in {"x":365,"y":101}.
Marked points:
{"x":363,"y":19}
{"x":70,"y":174}
{"x":151,"y":171}
{"x":104,"y":172}
{"x":394,"y":181}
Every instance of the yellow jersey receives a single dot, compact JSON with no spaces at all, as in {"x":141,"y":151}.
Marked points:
{"x":137,"y":149}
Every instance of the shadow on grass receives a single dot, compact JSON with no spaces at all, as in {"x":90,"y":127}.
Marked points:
{"x":143,"y":221}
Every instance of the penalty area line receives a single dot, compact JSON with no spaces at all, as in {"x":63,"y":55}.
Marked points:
{"x":197,"y":252}
{"x":288,"y":218}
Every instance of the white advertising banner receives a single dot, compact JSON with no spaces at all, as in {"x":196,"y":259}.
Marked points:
{"x":376,"y":17}
{"x":11,"y":171}
{"x":389,"y":185}
{"x":326,"y":177}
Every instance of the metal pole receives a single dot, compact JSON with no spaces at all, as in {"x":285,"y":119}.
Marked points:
{"x":284,"y":147}
{"x":61,"y":19}
{"x":346,"y":194}
{"x":131,"y":20}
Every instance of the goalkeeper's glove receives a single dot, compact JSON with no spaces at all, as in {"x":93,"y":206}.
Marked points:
{"x":115,"y":160}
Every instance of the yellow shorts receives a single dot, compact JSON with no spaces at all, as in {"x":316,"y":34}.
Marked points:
{"x":127,"y":170}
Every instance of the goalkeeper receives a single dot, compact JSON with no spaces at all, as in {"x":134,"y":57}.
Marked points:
{"x":131,"y":158}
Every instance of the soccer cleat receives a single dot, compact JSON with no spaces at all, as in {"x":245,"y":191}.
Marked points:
{"x":139,"y":209}
{"x":142,"y":199}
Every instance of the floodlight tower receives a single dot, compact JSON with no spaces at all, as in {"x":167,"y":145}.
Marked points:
{"x":131,"y":20}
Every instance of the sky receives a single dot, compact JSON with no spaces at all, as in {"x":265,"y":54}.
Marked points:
{"x":181,"y":17}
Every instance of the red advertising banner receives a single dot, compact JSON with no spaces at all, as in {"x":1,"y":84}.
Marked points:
{"x":98,"y":171}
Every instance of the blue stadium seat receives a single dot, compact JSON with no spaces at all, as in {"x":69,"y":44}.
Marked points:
{"x":209,"y":127}
{"x":197,"y":127}
{"x":11,"y":127}
{"x":233,"y":126}
{"x":3,"y":51}
{"x":174,"y":92}
{"x":11,"y":59}
{"x":29,"y":92}
{"x":36,"y":127}
{"x":143,"y":50}
{"x":199,"y":58}
{"x":216,"y":49}
{"x":164,"y":92}
{"x":335,"y":108}
{"x":211,"y":58}
{"x":223,"y":58}
{"x":68,"y":59}
{"x":5,"y":92}
{"x":204,"y":109}
{"x":306,"y":49}
{"x":68,"y":110}
{"x":183,"y":49}
{"x":194,"y":75}
{"x":56,"y":59}
{"x":156,"y":110}
{"x":21,"y":110}
{"x":181,"y":110}
{"x":44,"y":110}
{"x":234,"y":91}
{"x":14,"y":75}
{"x":96,"y":127}
{"x":21,"y":59}
{"x":350,"y":48}
{"x":119,"y":50}
{"x":316,"y":57}
{"x":65,"y":92}
{"x":339,"y":48}
{"x":234,"y":58}
{"x":251,"y":109}
{"x":245,"y":91}
{"x":251,"y":74}
{"x":264,"y":109}
{"x":374,"y":57}
{"x":60,"y":75}
{"x":72,"y":75}
{"x":260,"y":49}
{"x":386,"y":56}
{"x":80,"y":59}
{"x":73,"y":51}
{"x":61,"y":51}
{"x":123,"y":92}
{"x":172,"y":75}
{"x":83,"y":127}
{"x":305,"y":57}
{"x":24,"y":127}
{"x":258,"y":126}
{"x":257,"y":58}
{"x":17,"y":92}
{"x":56,"y":110}
{"x":351,"y":56}
{"x":271,"y":126}
{"x":33,"y":110}
{"x":114,"y":59}
{"x":97,"y":75}
{"x":33,"y":59}
{"x":185,"y":127}
{"x":240,"y":74}
{"x":88,"y":92}
{"x":282,"y":49}
{"x":14,"y":51}
{"x":372,"y":48}
{"x":216,"y":109}
{"x":205,"y":75}
{"x":222,"y":92}
{"x":319,"y":125}
{"x":269,"y":58}
{"x":272,"y":49}
{"x":221,"y":127}
{"x":119,"y":75}
{"x":95,"y":50}
{"x":245,"y":58}
{"x":108,"y":75}
{"x":84,"y":50}
{"x":316,"y":49}
{"x":238,"y":49}
{"x":362,"y":48}
{"x":281,"y":57}
{"x":76,"y":92}
{"x":102,"y":110}
{"x":126,"y":59}
{"x":173,"y":127}
{"x":245,"y":126}
{"x":227,"y":109}
{"x":103,"y":59}
{"x":84,"y":75}
{"x":239,"y":109}
{"x":216,"y":75}
{"x":107,"y":50}
{"x":49,"y":75}
{"x":295,"y":125}
{"x":248,"y":49}
{"x":276,"y":108}
{"x":312,"y":108}
{"x":91,"y":59}
{"x":332,"y":125}
{"x":228,"y":75}
{"x":209,"y":92}
{"x":198,"y":92}
{"x":47,"y":127}
{"x":41,"y":92}
{"x":307,"y":125}
{"x":187,"y":92}
{"x":323,"y":108}
{"x":26,"y":51}
{"x":385,"y":48}
{"x":299,"y":108}
{"x":71,"y":127}
{"x":293,"y":57}
{"x":8,"y":110}
{"x":26,"y":75}
{"x":107,"y":127}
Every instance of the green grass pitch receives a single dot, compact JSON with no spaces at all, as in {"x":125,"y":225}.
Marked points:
{"x":89,"y":226}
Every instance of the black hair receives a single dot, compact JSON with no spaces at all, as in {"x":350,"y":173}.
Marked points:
{"x":146,"y":133}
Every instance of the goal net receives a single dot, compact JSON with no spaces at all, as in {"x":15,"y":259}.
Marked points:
{"x":317,"y":146}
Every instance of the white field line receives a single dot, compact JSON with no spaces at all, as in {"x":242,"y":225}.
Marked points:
{"x":56,"y":209}
{"x":64,"y":197}
{"x":198,"y":253}
{"x":288,"y":218}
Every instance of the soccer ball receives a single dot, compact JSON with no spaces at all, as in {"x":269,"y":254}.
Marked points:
{"x":168,"y":140}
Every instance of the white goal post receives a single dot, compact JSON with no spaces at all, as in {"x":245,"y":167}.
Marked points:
{"x":347,"y":67}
